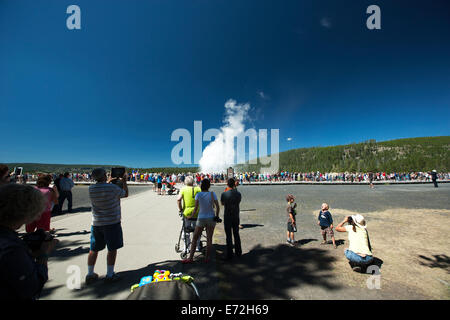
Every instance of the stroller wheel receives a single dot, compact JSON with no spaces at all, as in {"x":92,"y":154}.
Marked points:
{"x":183,"y":255}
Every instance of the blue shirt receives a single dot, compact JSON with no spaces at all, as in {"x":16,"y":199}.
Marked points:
{"x":325,"y":219}
{"x":206,"y":204}
{"x":66,"y":184}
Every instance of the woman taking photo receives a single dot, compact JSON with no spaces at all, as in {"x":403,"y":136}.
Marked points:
{"x":51,"y":195}
{"x":359,"y":252}
{"x":206,"y":218}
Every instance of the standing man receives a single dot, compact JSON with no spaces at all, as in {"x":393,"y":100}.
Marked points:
{"x":371,"y":180}
{"x":56,"y":208}
{"x":434,"y":178}
{"x":230,"y":200}
{"x":106,"y":229}
{"x":65,"y":184}
{"x":159,"y":182}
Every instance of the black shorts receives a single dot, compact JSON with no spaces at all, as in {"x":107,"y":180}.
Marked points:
{"x":290,"y":227}
{"x":159,"y":185}
{"x":110,"y":236}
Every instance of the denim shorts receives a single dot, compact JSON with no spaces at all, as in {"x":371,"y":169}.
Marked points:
{"x":205,"y":222}
{"x":109,"y":236}
{"x":356,"y":258}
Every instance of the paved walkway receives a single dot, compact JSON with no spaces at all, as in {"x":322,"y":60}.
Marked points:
{"x":151,"y":226}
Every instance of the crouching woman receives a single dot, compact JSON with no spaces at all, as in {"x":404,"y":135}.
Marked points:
{"x":359,"y":252}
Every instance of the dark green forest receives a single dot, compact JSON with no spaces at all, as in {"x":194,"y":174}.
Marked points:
{"x":402,"y":155}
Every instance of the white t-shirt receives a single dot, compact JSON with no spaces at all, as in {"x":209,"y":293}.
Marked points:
{"x":358,"y":240}
{"x":206,"y":204}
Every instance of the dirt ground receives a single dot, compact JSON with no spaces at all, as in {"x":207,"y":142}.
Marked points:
{"x":410,"y":246}
{"x":413,"y":245}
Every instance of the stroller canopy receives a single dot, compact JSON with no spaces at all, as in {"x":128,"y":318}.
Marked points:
{"x":165,"y":290}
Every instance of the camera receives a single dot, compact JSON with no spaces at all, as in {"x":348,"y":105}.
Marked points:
{"x":217,"y":219}
{"x":35,"y":239}
{"x":350,"y":220}
{"x":116,"y":174}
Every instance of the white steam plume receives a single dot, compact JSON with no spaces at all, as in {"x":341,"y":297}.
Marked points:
{"x":220,"y":153}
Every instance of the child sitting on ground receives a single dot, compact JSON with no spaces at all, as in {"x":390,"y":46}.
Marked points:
{"x":291,"y":213}
{"x":326,"y":224}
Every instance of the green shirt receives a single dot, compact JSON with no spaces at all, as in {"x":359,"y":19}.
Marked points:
{"x":188,"y":194}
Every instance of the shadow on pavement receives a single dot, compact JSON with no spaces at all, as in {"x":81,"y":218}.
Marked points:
{"x":438,"y":261}
{"x":102,"y":290}
{"x":81,"y":209}
{"x":68,"y":234}
{"x":270,"y":272}
{"x":62,"y":252}
{"x":247,"y":225}
{"x":56,"y":213}
{"x":305,"y":241}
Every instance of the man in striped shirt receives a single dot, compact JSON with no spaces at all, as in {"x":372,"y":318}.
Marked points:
{"x":106,"y":227}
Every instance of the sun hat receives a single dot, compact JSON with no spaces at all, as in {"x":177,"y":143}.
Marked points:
{"x":358,"y":219}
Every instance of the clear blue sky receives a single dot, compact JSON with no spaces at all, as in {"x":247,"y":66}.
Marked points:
{"x":113,"y":92}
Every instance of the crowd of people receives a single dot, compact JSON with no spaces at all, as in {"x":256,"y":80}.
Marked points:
{"x":23,"y":265}
{"x":249,"y":177}
{"x":286,"y":176}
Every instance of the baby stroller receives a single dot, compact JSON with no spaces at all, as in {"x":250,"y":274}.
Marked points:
{"x":164,"y":285}
{"x":184,"y":253}
{"x":171,"y":188}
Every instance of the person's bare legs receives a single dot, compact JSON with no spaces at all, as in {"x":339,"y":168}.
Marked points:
{"x":334,"y":241}
{"x":92,"y":258}
{"x":209,"y":235}
{"x":197,"y":234}
{"x":111,"y":258}
{"x":324,"y":238}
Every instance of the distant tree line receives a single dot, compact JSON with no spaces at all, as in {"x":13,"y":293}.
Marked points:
{"x":402,"y":155}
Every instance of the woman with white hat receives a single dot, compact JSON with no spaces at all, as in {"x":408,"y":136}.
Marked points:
{"x":359,"y":252}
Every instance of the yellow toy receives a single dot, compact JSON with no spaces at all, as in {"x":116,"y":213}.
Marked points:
{"x":161,"y":275}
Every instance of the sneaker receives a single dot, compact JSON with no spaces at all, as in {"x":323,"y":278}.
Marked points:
{"x":288,"y":241}
{"x":324,"y":242}
{"x":115,"y":277}
{"x":91,"y":278}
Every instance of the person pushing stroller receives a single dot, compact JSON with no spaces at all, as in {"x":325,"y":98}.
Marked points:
{"x":186,"y":206}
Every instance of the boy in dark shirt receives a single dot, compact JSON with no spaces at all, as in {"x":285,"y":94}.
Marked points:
{"x":291,"y":213}
{"x":326,"y":224}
